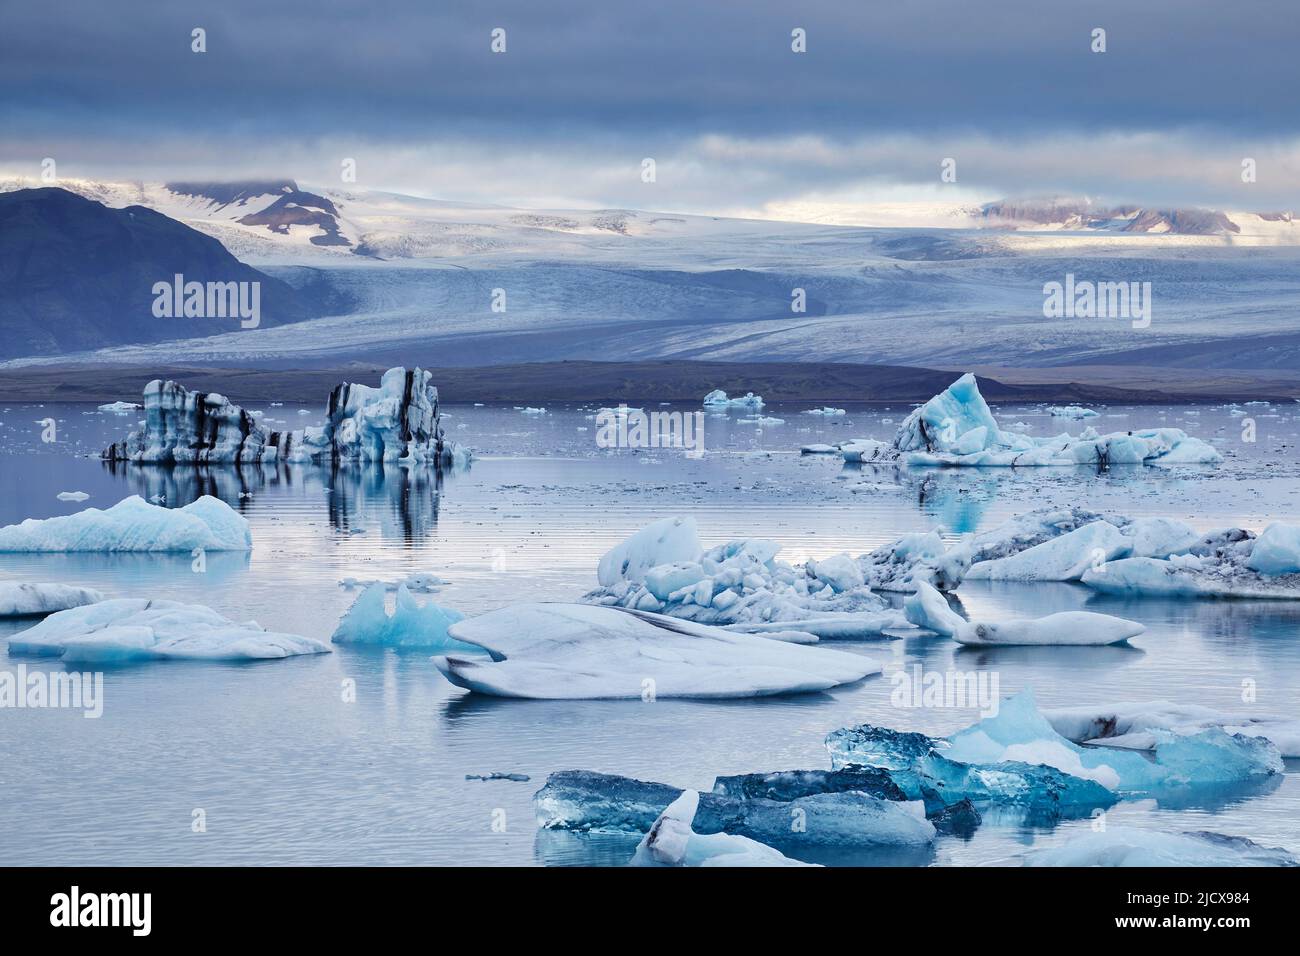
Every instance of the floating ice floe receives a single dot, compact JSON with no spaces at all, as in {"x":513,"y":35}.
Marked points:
{"x":135,"y":629}
{"x":72,"y":496}
{"x":24,"y":600}
{"x":577,"y":651}
{"x":664,"y":569}
{"x":1127,"y":846}
{"x":1139,"y":726}
{"x":718,"y":399}
{"x":416,"y":582}
{"x":833,"y":814}
{"x":135,"y":525}
{"x":410,"y":625}
{"x":826,"y":412}
{"x":672,"y":842}
{"x":928,"y":608}
{"x":119,"y":407}
{"x":1071,"y":411}
{"x":957,"y":428}
{"x":396,"y":422}
{"x":1017,"y":760}
{"x":760,"y":420}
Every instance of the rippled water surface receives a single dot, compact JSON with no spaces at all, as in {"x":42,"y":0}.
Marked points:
{"x":287,"y":772}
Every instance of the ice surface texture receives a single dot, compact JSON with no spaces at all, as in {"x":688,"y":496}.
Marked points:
{"x":568,"y":651}
{"x":928,"y":608}
{"x":135,"y":629}
{"x":717,"y":399}
{"x":1125,"y":846}
{"x":1140,"y":726}
{"x":410,"y":624}
{"x":672,"y":842}
{"x":135,"y":525}
{"x":20,"y":600}
{"x":396,"y":422}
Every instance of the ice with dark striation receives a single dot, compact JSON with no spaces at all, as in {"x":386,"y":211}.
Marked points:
{"x":586,"y":801}
{"x":672,"y":841}
{"x":396,"y":422}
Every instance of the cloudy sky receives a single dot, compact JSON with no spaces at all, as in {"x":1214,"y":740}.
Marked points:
{"x":710,"y":89}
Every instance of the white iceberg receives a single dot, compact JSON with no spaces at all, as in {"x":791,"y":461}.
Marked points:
{"x":72,"y":496}
{"x":133,"y":524}
{"x":576,"y":651}
{"x":718,"y":399}
{"x":957,"y":428}
{"x":136,"y":629}
{"x":23,"y":600}
{"x":663,"y":569}
{"x":119,"y":407}
{"x":1276,"y":551}
{"x":826,"y":411}
{"x":1128,"y":846}
{"x":672,"y":842}
{"x":1141,"y":726}
{"x":1071,"y":411}
{"x":410,"y":625}
{"x":928,"y":608}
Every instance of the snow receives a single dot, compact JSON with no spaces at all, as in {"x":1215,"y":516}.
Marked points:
{"x":576,"y":651}
{"x":665,"y":541}
{"x":410,"y":625}
{"x":957,"y":428}
{"x":1137,"y":726}
{"x":137,"y":629}
{"x":21,"y":600}
{"x":740,"y":583}
{"x":718,"y":399}
{"x":1128,"y":846}
{"x":134,"y":524}
{"x":672,"y":842}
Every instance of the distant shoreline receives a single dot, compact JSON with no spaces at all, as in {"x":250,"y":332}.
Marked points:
{"x":664,"y":381}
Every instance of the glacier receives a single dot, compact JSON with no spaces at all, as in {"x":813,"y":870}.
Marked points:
{"x":411,"y":624}
{"x":579,"y":651}
{"x":25,"y":600}
{"x":672,"y":842}
{"x":587,"y":801}
{"x":134,"y":524}
{"x":1129,"y":846}
{"x":139,"y":629}
{"x":957,"y":428}
{"x":397,"y":422}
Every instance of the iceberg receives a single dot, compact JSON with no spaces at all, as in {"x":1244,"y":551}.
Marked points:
{"x":1141,"y":726}
{"x":410,"y":624}
{"x":672,"y":842}
{"x":396,"y":422}
{"x":718,"y":399}
{"x":1276,"y":551}
{"x":826,"y":411}
{"x":957,"y":428}
{"x":120,"y":408}
{"x":26,"y":600}
{"x":1128,"y":846}
{"x":136,"y":629}
{"x":1071,"y":411}
{"x":586,"y":801}
{"x":741,"y":585}
{"x":928,"y":608}
{"x":72,"y":496}
{"x":134,"y":524}
{"x":579,"y":651}
{"x":1017,"y":759}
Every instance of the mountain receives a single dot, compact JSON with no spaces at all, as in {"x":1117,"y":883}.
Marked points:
{"x":76,"y":274}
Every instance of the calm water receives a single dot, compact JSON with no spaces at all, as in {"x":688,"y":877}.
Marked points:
{"x":287,"y":772}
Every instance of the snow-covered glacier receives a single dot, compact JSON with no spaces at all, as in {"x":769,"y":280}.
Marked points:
{"x":571,"y":651}
{"x":134,"y":524}
{"x":957,"y":428}
{"x":397,"y":422}
{"x":140,"y":629}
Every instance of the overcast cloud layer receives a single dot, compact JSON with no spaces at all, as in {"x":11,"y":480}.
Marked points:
{"x":736,"y":122}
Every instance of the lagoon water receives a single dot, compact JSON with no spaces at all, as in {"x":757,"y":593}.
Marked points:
{"x":285,"y":770}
